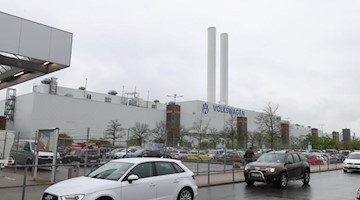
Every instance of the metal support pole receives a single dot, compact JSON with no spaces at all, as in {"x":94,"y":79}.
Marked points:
{"x":55,"y":144}
{"x":86,"y":151}
{"x":24,"y":183}
{"x":127,"y":141}
{"x":3,"y":154}
{"x":328,"y":164}
{"x":336,"y":164}
{"x":36,"y":155}
{"x":233,"y":166}
{"x":17,"y":150}
{"x":209,"y":171}
{"x":225,"y":159}
{"x":198,"y":156}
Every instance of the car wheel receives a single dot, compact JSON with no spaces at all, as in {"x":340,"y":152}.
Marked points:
{"x":345,"y":171}
{"x":249,"y":182}
{"x":306,"y":177}
{"x":283,"y":180}
{"x":185,"y":194}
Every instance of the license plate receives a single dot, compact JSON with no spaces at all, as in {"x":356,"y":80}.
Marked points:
{"x":355,"y":166}
{"x":92,"y":160}
{"x":255,"y":175}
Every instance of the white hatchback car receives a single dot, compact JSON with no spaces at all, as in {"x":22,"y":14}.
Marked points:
{"x":129,"y":178}
{"x":352,"y":162}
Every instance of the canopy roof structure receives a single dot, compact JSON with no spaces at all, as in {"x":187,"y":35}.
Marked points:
{"x":29,"y":50}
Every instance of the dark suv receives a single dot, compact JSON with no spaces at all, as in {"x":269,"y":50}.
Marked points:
{"x":278,"y":167}
{"x":79,"y":155}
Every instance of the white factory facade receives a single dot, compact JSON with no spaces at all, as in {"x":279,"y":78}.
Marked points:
{"x":74,"y":111}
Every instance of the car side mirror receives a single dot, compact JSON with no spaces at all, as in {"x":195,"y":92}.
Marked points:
{"x":132,"y":178}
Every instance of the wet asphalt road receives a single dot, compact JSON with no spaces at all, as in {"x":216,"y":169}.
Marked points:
{"x":331,"y":185}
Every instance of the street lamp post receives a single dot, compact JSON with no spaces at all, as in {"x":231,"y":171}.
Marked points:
{"x":127,"y":140}
{"x":174,"y":96}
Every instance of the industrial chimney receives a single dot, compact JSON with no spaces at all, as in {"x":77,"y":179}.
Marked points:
{"x":211,"y":62}
{"x":224,"y":68}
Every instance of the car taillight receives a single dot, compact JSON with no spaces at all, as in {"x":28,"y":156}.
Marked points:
{"x":193,"y":176}
{"x":10,"y":161}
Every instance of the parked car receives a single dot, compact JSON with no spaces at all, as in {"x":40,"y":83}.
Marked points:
{"x":278,"y":167}
{"x":144,"y":178}
{"x":352,"y":162}
{"x":232,"y":156}
{"x":79,"y":156}
{"x":148,"y":153}
{"x":330,"y":158}
{"x":195,"y":155}
{"x":315,"y":159}
{"x":83,"y":145}
{"x":111,"y":154}
{"x":216,"y":153}
{"x":24,"y":152}
{"x":178,"y":154}
{"x":123,"y":153}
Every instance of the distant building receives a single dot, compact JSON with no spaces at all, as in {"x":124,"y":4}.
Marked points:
{"x":315,"y":132}
{"x":75,"y":110}
{"x":346,"y":135}
{"x":336,"y":136}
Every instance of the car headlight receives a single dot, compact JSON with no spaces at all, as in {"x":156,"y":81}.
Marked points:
{"x":72,"y":197}
{"x":247,"y":168}
{"x":271,"y":169}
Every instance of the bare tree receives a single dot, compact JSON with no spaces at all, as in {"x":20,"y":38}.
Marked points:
{"x":201,"y":127}
{"x":159,"y":132}
{"x":213,"y":131}
{"x":231,"y":128}
{"x":182,"y":134}
{"x":255,"y":138}
{"x":112,"y":131}
{"x":140,"y":133}
{"x":215,"y":140}
{"x":269,"y":123}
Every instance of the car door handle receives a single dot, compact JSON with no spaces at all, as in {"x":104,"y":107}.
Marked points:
{"x":152,"y":185}
{"x":176,"y":181}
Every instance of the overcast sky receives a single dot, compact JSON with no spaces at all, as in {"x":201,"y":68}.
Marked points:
{"x":301,"y":55}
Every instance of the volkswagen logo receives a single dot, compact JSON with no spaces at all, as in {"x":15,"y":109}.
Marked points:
{"x":205,"y":108}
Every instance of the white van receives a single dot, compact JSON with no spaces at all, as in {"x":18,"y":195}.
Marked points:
{"x":23,"y":152}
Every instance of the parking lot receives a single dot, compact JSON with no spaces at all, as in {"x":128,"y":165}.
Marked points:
{"x":217,"y":177}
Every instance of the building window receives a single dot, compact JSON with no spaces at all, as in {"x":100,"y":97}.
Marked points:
{"x":108,"y":99}
{"x":88,"y":96}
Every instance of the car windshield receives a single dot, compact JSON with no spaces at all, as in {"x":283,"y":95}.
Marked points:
{"x":111,"y":171}
{"x":354,"y":156}
{"x":139,"y":151}
{"x":271,"y":157}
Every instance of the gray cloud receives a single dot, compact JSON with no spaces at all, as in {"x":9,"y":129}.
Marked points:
{"x":301,"y":55}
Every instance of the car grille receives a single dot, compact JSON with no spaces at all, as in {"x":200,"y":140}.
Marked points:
{"x":47,"y":196}
{"x":353,"y":163}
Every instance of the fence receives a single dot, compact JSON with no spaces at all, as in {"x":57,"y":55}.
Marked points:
{"x":210,"y":170}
